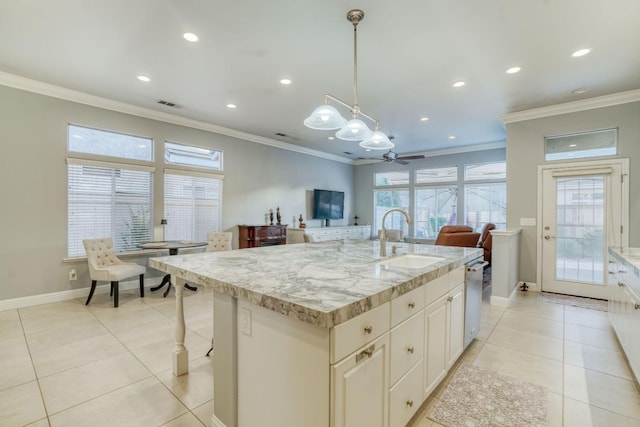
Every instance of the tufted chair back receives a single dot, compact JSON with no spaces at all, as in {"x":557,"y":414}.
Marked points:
{"x":100,"y":254}
{"x":219,"y":241}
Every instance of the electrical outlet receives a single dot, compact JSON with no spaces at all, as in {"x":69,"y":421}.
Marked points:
{"x":73,"y":274}
{"x":245,"y":321}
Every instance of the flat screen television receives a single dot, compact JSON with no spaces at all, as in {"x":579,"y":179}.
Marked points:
{"x":328,"y":204}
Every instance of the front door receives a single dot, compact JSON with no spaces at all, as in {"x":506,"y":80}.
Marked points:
{"x":584,"y":210}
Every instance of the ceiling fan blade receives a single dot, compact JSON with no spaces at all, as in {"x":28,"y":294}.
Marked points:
{"x":402,"y":162}
{"x":420,"y":156}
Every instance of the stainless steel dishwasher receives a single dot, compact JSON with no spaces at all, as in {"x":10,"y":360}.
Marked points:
{"x":473,"y":300}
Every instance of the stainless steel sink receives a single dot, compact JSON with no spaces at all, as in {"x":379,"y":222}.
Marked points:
{"x":409,"y":261}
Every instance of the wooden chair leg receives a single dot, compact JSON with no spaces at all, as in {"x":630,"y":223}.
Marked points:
{"x":93,"y":288}
{"x":111,"y":292}
{"x":114,"y":286}
{"x":142,"y":286}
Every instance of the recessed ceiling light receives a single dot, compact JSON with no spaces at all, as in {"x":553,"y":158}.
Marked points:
{"x":424,"y":119}
{"x":231,"y":106}
{"x":190,"y":37}
{"x":368,"y":149}
{"x":459,"y":84}
{"x":513,"y":70}
{"x":573,"y":145}
{"x":579,"y":90}
{"x":285,"y":81}
{"x":452,"y":137}
{"x":581,"y":52}
{"x":331,"y":138}
{"x":143,"y":78}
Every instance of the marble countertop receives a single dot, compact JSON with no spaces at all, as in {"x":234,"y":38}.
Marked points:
{"x":324,"y":283}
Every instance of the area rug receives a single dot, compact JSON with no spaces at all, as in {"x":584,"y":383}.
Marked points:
{"x":480,"y":397}
{"x":594,"y":304}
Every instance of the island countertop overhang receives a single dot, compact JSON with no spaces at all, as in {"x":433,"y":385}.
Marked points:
{"x":324,"y":284}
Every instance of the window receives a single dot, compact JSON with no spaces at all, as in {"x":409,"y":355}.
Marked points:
{"x":485,"y":195}
{"x":435,"y":208}
{"x":112,"y":144}
{"x":432,"y":175}
{"x":388,"y":199}
{"x":392,"y":178}
{"x":108,"y":200}
{"x":580,"y":145}
{"x":192,"y":205}
{"x":192,"y":200}
{"x":180,"y":154}
{"x":485,"y":203}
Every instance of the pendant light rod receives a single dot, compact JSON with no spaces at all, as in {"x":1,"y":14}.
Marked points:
{"x":328,"y":96}
{"x":355,"y":16}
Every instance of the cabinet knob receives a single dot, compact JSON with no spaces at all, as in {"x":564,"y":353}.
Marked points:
{"x":636,"y":306}
{"x":368,"y":330}
{"x":410,"y":350}
{"x":409,"y":403}
{"x":450,"y":298}
{"x":412,"y":304}
{"x":620,"y":284}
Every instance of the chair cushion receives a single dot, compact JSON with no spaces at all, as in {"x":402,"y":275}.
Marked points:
{"x":118,"y":272}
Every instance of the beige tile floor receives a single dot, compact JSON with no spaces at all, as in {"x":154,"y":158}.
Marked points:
{"x":67,"y":364}
{"x":570,"y":351}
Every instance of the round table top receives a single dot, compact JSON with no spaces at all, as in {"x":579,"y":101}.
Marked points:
{"x":172,"y":244}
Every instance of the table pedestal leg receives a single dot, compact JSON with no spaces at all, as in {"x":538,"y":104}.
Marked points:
{"x":180,"y":352}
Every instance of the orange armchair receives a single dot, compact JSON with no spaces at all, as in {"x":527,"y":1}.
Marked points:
{"x":457,"y":235}
{"x":486,"y":242}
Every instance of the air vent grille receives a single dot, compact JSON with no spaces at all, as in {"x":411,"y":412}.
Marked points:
{"x":169,"y":104}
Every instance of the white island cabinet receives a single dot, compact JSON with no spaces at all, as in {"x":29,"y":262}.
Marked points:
{"x":323,"y":335}
{"x":624,"y":301}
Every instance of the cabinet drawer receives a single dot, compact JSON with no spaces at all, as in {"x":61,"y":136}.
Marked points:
{"x":406,"y":397}
{"x":407,"y":305}
{"x":436,"y":288}
{"x":457,"y":276}
{"x":407,"y":345}
{"x":354,"y":333}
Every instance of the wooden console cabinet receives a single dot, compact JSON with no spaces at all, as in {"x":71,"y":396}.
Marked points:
{"x":255,"y":236}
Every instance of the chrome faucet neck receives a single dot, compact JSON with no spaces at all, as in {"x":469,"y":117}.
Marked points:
{"x":383,"y":229}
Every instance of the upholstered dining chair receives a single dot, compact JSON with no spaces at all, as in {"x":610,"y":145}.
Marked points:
{"x":104,"y":265}
{"x":218,"y":241}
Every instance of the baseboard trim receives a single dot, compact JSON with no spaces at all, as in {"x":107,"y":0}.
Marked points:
{"x":12,"y":304}
{"x":215,"y":422}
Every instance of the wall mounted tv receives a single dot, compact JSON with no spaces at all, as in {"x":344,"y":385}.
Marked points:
{"x":328,"y":204}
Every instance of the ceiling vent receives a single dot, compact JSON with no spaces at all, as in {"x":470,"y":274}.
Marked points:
{"x":169,"y":104}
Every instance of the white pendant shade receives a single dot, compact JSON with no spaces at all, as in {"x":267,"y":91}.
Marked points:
{"x":325,"y":117}
{"x":378,"y":141}
{"x":354,"y":130}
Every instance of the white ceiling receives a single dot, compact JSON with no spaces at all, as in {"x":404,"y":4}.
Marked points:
{"x":409,"y":54}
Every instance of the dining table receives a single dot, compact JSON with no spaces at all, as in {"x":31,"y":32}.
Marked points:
{"x":173,"y":246}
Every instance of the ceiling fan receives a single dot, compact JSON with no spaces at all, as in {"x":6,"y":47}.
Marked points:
{"x":392,"y":157}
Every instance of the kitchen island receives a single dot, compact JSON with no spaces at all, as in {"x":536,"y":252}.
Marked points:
{"x":326,"y":334}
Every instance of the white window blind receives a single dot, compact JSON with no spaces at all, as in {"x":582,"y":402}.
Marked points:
{"x":108,"y":200}
{"x":192,"y":205}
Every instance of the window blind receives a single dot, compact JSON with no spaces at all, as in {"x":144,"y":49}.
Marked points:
{"x":108,"y":200}
{"x":192,"y":205}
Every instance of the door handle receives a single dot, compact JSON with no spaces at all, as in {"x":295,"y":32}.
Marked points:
{"x":547,"y":237}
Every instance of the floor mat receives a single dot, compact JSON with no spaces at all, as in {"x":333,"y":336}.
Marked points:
{"x":480,"y":397}
{"x":594,"y":304}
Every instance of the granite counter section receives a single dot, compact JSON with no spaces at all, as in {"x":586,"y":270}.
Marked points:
{"x":324,"y":284}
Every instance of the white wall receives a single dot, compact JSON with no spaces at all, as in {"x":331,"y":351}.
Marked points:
{"x":525,"y":151}
{"x":33,"y":176}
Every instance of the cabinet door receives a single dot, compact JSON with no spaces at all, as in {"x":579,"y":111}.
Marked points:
{"x":456,"y":324}
{"x":360,"y":384}
{"x":435,"y":355}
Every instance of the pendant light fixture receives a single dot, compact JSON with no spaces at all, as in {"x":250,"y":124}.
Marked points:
{"x":327,"y":117}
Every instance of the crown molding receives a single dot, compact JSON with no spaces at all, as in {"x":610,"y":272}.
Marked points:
{"x":444,"y":151}
{"x":35,"y":86}
{"x":572,"y":107}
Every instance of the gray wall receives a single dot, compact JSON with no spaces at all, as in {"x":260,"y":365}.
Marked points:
{"x":364,"y":175}
{"x":33,"y":176}
{"x":525,"y":151}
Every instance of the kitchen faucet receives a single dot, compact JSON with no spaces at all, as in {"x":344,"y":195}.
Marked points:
{"x":383,"y":231}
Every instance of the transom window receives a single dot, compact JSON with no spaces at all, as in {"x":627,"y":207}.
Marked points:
{"x":391,"y":178}
{"x":105,"y":143}
{"x":188,"y":155}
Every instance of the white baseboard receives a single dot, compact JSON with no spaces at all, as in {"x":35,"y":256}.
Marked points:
{"x":506,"y":302}
{"x":215,"y":422}
{"x":12,"y":304}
